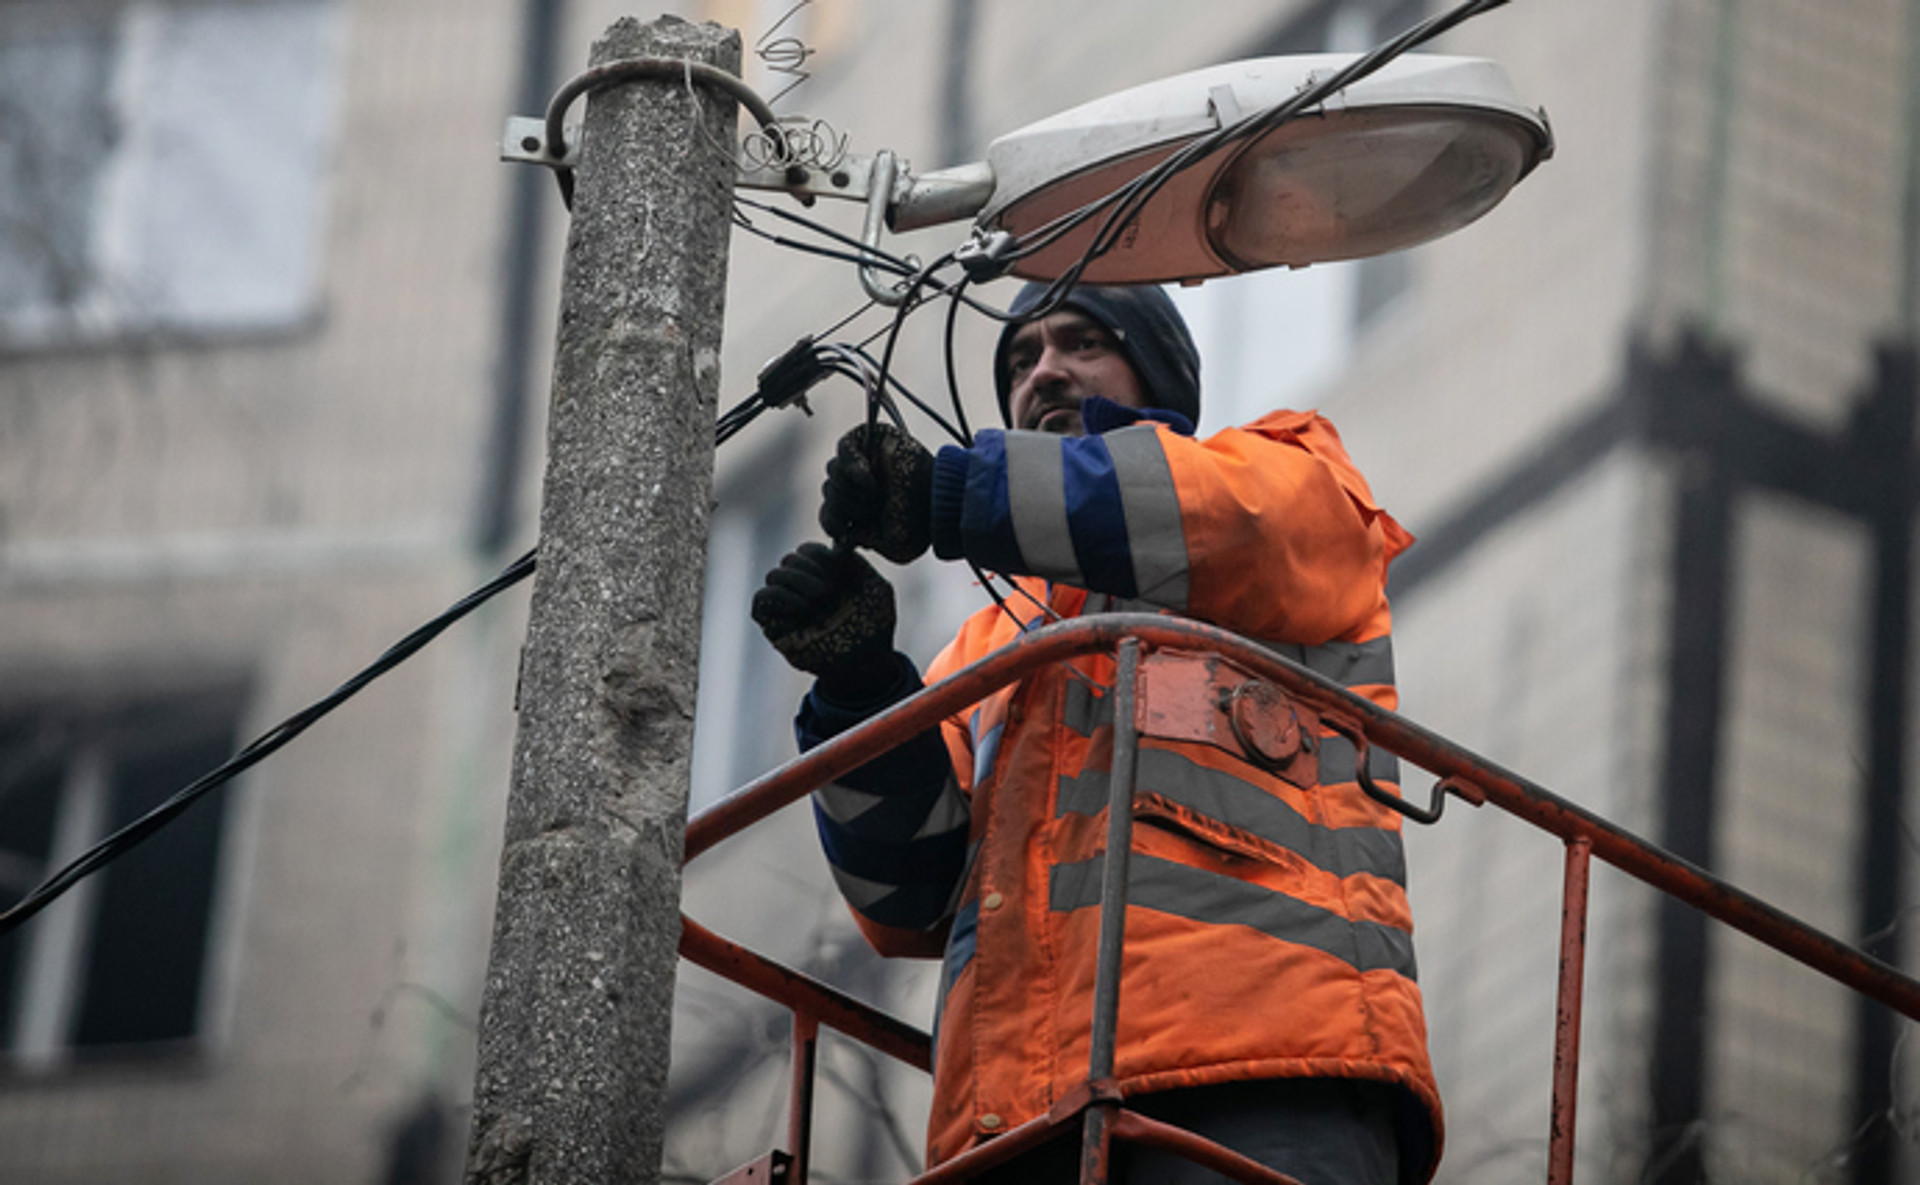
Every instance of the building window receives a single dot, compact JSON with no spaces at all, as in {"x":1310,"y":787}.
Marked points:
{"x":160,"y":166}
{"x":117,"y":966}
{"x":1274,"y":338}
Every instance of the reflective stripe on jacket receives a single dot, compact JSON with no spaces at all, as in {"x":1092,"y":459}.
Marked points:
{"x":1268,"y":933}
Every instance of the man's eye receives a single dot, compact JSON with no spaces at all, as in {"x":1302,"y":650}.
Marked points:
{"x":1092,"y":343}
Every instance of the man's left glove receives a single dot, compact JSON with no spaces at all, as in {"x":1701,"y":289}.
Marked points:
{"x":879,"y":493}
{"x":829,"y":613}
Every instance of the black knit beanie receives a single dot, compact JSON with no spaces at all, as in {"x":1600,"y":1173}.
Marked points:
{"x":1151,"y":332}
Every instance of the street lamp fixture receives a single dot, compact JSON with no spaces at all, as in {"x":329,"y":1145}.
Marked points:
{"x":1423,"y":146}
{"x":1260,"y":164}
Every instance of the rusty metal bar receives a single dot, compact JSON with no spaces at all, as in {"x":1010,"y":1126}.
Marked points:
{"x":1113,"y":874}
{"x":783,"y":985}
{"x":1096,"y":1142}
{"x":1510,"y":792}
{"x":1095,"y":1148}
{"x":997,"y":1151}
{"x":1136,"y":1128}
{"x":1130,"y":1126}
{"x":770,"y":1169}
{"x":1473,"y":777}
{"x":806,"y":1051}
{"x":855,"y":747}
{"x":1566,"y":1030}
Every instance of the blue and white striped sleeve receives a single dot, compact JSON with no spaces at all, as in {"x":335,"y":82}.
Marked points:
{"x":894,"y":830}
{"x":1098,"y":512}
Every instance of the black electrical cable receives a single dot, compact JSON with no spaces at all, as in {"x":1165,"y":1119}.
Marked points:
{"x":867,"y":252}
{"x":947,"y":356}
{"x":958,"y":434}
{"x":986,"y":582}
{"x":909,"y":300}
{"x":845,"y":321}
{"x":849,"y":361}
{"x":124,"y":840}
{"x":1121,"y":205}
{"x":826,"y":252}
{"x":1047,"y":613}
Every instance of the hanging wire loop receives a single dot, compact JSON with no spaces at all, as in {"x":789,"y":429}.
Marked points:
{"x":665,"y":69}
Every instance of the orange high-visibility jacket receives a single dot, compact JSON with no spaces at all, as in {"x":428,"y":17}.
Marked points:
{"x":1268,"y":933}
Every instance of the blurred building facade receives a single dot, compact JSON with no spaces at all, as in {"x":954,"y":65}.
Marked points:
{"x":251,"y":307}
{"x":274,"y":327}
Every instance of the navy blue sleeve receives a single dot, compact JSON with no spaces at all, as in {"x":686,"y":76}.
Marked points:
{"x":895,"y":830}
{"x":1099,"y":512}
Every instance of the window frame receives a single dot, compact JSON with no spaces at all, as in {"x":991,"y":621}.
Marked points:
{"x":100,"y":744}
{"x":204,"y":216}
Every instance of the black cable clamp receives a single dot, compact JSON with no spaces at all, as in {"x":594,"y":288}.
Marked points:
{"x":787,"y":378}
{"x":983,"y":256}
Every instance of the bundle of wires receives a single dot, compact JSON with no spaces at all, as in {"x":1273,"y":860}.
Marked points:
{"x":786,"y":380}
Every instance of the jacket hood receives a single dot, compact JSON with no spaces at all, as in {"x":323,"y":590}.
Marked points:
{"x":1151,"y":332}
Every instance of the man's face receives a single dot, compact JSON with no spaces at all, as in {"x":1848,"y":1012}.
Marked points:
{"x":1055,"y":362}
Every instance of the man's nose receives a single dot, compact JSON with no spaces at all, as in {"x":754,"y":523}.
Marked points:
{"x":1049,"y":369}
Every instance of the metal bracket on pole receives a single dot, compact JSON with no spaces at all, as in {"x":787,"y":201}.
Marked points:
{"x":793,"y":161}
{"x":876,"y":180}
{"x":525,"y":143}
{"x":849,"y":176}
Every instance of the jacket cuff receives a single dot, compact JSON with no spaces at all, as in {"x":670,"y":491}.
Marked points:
{"x":823,"y":717}
{"x":949,"y":496}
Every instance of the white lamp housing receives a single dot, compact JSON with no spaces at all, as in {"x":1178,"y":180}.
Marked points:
{"x":1421,"y":147}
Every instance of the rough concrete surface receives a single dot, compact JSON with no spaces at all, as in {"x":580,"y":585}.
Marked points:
{"x":575,"y":1020}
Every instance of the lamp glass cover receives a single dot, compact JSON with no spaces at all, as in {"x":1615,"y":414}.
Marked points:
{"x":1352,"y":184}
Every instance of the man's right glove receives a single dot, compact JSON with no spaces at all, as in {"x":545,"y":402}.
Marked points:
{"x":879,"y":493}
{"x":829,"y":613}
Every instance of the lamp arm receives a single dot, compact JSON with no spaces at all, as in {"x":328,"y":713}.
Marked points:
{"x":948,"y":195}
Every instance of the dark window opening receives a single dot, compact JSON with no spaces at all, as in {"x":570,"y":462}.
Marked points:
{"x":116,"y":968}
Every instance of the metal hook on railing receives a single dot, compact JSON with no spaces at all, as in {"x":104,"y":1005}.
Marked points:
{"x":1429,"y":814}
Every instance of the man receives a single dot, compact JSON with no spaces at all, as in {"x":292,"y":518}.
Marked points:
{"x":1268,"y":998}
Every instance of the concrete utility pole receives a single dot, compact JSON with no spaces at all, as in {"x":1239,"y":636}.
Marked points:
{"x":575,"y":1020}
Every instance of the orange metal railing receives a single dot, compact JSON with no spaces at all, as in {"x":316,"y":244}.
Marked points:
{"x":1097,"y":1106}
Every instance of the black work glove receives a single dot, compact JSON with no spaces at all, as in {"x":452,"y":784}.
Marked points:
{"x":879,"y":493}
{"x":829,"y":613}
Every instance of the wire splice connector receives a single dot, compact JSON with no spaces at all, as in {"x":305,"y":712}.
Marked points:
{"x":787,"y":378}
